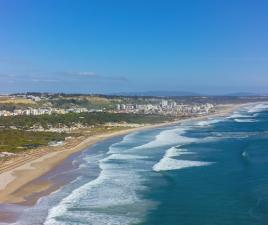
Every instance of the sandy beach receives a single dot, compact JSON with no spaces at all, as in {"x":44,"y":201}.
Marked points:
{"x":16,"y":178}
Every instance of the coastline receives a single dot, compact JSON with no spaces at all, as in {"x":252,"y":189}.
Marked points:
{"x":21,"y":176}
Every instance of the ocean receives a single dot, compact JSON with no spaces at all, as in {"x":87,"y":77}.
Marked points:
{"x":211,"y":172}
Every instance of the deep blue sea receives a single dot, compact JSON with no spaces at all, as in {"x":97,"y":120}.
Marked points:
{"x":212,"y":172}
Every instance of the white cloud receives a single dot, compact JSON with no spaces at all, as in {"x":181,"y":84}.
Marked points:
{"x":90,"y":74}
{"x":44,"y":80}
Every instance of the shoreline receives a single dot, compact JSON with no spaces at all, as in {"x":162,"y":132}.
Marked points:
{"x":15,"y":185}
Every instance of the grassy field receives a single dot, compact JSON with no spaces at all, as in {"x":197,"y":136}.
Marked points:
{"x":87,"y":119}
{"x":10,"y":100}
{"x":18,"y":140}
{"x":87,"y":102}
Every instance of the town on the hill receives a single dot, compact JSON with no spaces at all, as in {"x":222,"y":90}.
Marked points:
{"x":160,"y":106}
{"x":32,"y":120}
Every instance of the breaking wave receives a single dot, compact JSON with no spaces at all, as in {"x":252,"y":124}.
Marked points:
{"x":239,"y":115}
{"x":245,"y":120}
{"x":168,"y":137}
{"x":208,"y":122}
{"x":109,"y":199}
{"x":169,"y":163}
{"x":258,"y":108}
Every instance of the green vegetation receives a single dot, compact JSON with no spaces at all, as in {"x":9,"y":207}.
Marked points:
{"x":84,"y":102}
{"x":87,"y":119}
{"x":16,"y":101}
{"x":99,"y":102}
{"x":10,"y":104}
{"x":18,"y":140}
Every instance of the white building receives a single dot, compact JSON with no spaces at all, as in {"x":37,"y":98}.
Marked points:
{"x":164,"y":103}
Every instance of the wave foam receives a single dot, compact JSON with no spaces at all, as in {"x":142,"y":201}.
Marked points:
{"x":208,"y":122}
{"x":112,"y":198}
{"x":128,"y":139}
{"x":238,"y":115}
{"x":168,"y":137}
{"x":258,"y":108}
{"x":124,"y":157}
{"x":175,"y":164}
{"x":245,"y":120}
{"x":168,"y":163}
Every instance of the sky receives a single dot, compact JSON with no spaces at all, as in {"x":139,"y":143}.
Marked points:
{"x":110,"y":46}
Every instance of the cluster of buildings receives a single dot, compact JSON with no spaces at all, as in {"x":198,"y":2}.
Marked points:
{"x":166,"y":107}
{"x":35,"y":98}
{"x":41,"y":111}
{"x":59,"y":129}
{"x":161,"y":107}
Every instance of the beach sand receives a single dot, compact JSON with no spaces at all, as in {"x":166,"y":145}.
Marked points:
{"x":16,"y":181}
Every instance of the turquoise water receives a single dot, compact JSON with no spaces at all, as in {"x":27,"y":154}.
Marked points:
{"x":207,"y":172}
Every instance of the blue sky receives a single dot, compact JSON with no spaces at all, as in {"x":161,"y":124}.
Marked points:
{"x":208,"y":46}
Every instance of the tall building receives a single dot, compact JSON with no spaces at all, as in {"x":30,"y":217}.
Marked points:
{"x":164,"y":103}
